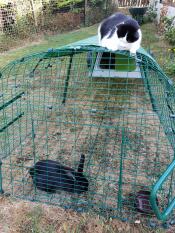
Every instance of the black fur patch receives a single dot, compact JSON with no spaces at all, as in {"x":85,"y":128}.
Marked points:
{"x":129,"y":28}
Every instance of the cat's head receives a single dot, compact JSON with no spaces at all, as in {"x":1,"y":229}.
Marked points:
{"x":129,"y":29}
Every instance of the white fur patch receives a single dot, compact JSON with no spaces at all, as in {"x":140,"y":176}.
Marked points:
{"x":114,"y":43}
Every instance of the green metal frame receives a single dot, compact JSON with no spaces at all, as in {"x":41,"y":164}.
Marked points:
{"x":67,"y":80}
{"x":145,"y":62}
{"x":157,"y":186}
{"x":161,"y":215}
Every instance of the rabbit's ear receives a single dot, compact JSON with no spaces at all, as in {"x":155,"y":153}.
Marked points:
{"x":81,"y":164}
{"x":69,"y":173}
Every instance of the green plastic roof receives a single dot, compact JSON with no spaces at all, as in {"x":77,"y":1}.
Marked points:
{"x":93,"y":40}
{"x":91,"y":43}
{"x":142,"y":54}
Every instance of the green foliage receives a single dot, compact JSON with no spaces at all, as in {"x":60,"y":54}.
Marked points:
{"x":170,"y":36}
{"x":97,"y":2}
{"x":63,"y":3}
{"x":168,"y":22}
{"x":170,"y":67}
{"x":150,"y":15}
{"x":24,"y":26}
{"x":169,"y":28}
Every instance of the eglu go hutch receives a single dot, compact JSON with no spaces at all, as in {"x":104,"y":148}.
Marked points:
{"x":117,"y":110}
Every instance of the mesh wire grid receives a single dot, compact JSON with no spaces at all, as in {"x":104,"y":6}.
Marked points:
{"x":55,"y":107}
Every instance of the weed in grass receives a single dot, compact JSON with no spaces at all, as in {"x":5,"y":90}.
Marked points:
{"x":30,"y":222}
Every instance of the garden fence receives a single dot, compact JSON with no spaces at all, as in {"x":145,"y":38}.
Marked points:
{"x":22,"y":18}
{"x":128,"y":3}
{"x":169,"y":2}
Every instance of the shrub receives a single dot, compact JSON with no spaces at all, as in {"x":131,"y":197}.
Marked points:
{"x":170,"y":69}
{"x":150,"y":15}
{"x":170,"y":36}
{"x":169,"y":65}
{"x":60,"y":22}
{"x":25,"y":26}
{"x":62,"y":6}
{"x":169,"y":29}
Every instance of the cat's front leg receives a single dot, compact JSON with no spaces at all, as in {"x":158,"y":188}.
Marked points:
{"x":134,"y":47}
{"x":111,"y":44}
{"x":133,"y":52}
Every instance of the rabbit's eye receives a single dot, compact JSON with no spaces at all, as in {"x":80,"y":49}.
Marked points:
{"x":71,"y":175}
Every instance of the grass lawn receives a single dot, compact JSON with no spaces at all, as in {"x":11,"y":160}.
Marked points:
{"x":150,"y":40}
{"x":47,"y":42}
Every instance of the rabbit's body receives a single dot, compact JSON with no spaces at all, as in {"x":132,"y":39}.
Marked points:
{"x":50,"y":176}
{"x":120,"y":32}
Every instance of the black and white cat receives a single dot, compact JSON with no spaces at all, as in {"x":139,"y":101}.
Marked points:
{"x":120,"y":32}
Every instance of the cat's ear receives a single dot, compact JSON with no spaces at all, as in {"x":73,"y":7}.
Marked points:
{"x":132,"y":37}
{"x":121,"y":30}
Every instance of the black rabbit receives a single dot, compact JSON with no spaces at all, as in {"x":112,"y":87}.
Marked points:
{"x":50,"y":176}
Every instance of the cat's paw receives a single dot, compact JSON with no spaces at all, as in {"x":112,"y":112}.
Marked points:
{"x":109,"y":45}
{"x":132,"y":53}
{"x":112,"y":48}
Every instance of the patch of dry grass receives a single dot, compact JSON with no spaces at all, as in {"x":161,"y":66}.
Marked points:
{"x":26,"y":217}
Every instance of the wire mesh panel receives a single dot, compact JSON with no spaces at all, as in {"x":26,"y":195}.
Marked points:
{"x":83,"y":141}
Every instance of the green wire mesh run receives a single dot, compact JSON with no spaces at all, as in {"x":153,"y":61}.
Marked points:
{"x":53,"y":107}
